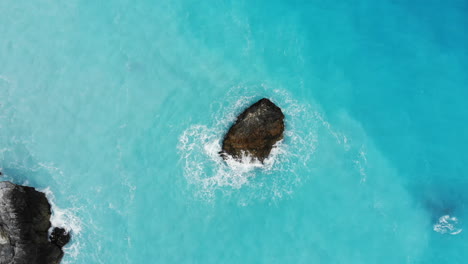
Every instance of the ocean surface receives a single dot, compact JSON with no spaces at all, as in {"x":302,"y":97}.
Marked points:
{"x":116,"y":109}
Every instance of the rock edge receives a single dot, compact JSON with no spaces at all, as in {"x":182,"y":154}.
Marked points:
{"x":255,"y":132}
{"x":24,"y":224}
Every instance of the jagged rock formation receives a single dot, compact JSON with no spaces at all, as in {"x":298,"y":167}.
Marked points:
{"x":255,"y":131}
{"x":24,"y":224}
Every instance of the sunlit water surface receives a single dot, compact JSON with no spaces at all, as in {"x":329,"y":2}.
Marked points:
{"x":117,"y":109}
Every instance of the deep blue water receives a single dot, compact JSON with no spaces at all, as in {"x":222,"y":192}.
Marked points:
{"x":117,"y":108}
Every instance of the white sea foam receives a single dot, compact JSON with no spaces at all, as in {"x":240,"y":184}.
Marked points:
{"x":289,"y":164}
{"x":200,"y":145}
{"x":67,"y":219}
{"x":447,"y":225}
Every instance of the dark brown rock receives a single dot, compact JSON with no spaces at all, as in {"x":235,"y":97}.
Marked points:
{"x":24,"y":225}
{"x":255,"y":131}
{"x":60,"y":236}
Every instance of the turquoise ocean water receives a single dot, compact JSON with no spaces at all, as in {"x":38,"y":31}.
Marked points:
{"x":117,"y":108}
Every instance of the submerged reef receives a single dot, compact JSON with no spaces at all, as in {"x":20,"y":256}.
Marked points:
{"x":255,"y":132}
{"x":24,"y":225}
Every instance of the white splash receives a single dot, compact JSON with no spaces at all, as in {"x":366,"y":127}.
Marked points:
{"x":199,"y":147}
{"x":202,"y":140}
{"x":447,"y":225}
{"x":66,"y":219}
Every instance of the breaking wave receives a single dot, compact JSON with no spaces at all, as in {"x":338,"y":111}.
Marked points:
{"x":447,"y":225}
{"x":66,"y":219}
{"x":199,"y":147}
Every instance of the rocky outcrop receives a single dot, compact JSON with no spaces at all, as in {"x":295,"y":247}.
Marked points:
{"x":255,"y":131}
{"x":59,"y":237}
{"x":24,"y":224}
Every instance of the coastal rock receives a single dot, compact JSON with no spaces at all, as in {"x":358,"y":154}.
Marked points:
{"x":60,"y":236}
{"x":24,"y":224}
{"x":255,"y":131}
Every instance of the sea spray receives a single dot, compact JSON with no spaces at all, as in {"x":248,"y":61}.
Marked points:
{"x":66,"y":219}
{"x":447,"y":225}
{"x":199,"y":147}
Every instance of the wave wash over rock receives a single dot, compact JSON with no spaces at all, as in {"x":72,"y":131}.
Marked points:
{"x":255,"y":132}
{"x":24,"y":225}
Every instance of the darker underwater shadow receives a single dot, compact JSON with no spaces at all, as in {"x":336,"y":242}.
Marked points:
{"x":441,"y":199}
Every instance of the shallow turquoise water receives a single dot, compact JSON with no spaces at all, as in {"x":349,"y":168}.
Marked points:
{"x":117,"y":109}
